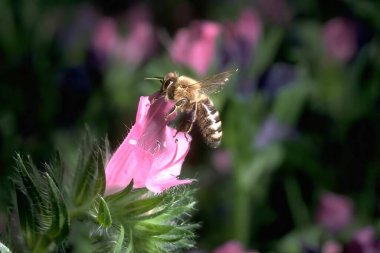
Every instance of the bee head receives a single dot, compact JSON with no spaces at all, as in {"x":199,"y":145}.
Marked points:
{"x":167,"y":82}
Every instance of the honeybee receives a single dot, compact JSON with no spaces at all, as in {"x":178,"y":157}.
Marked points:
{"x":192,"y":98}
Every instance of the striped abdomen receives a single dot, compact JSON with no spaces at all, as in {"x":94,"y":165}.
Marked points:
{"x":209,"y":123}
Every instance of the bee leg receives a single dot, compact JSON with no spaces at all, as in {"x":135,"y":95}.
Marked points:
{"x":187,"y":125}
{"x":186,"y":134}
{"x":175,"y":107}
{"x":154,"y":99}
{"x":193,"y":118}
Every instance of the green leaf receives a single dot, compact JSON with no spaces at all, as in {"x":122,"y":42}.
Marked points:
{"x":4,"y":249}
{"x":60,"y":220}
{"x":104,"y":215}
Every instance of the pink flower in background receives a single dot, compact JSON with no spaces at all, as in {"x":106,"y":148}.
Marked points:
{"x":248,"y":27}
{"x":105,"y":36}
{"x":221,"y":159}
{"x":149,"y":155}
{"x":136,"y":46}
{"x":339,"y":39}
{"x":232,"y":247}
{"x":332,"y":247}
{"x":140,"y":41}
{"x":242,"y":37}
{"x":335,"y":212}
{"x":195,"y":46}
{"x":364,"y":240}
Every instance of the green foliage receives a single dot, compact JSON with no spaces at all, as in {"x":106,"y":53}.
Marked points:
{"x":56,"y":212}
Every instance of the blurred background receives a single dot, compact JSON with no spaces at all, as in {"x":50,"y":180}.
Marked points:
{"x":299,"y":165}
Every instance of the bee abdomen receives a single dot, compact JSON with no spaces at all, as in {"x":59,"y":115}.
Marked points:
{"x":209,"y":123}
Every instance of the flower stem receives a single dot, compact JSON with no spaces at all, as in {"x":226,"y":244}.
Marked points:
{"x":242,"y":205}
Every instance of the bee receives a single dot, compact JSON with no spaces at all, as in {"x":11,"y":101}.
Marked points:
{"x":192,"y":98}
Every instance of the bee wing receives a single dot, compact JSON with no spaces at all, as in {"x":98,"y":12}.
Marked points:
{"x":215,"y":83}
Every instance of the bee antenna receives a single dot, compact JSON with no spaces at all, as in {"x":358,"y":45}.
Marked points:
{"x":153,"y":78}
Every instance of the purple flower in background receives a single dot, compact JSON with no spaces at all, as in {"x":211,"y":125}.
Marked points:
{"x":194,"y":46}
{"x":279,"y":75}
{"x":272,"y":130}
{"x":363,"y":241}
{"x":340,"y":39}
{"x":80,"y":28}
{"x":334,"y":212}
{"x":241,"y":38}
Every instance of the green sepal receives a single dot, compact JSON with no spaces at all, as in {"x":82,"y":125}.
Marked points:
{"x":28,"y":222}
{"x":104,"y":156}
{"x":35,"y":196}
{"x":60,"y":220}
{"x":141,"y":206}
{"x":130,"y":247}
{"x":120,"y":195}
{"x":4,"y":249}
{"x":104,"y":216}
{"x":55,"y":169}
{"x":119,"y":242}
{"x":89,"y":179}
{"x":148,"y":229}
{"x":136,"y":208}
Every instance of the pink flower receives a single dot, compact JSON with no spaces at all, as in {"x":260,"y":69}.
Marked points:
{"x":241,"y":38}
{"x":105,"y":36}
{"x":138,"y":44}
{"x":221,"y":159}
{"x":364,"y":240}
{"x":232,"y":247}
{"x":248,"y":27}
{"x":150,"y":155}
{"x":339,"y":39}
{"x":195,"y":46}
{"x":332,"y":247}
{"x":335,"y":212}
{"x":140,"y":41}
